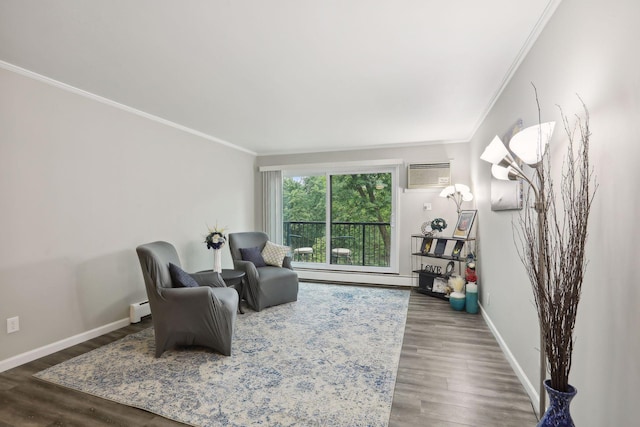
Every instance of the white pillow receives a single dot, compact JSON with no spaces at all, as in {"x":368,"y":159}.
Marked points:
{"x":274,"y":254}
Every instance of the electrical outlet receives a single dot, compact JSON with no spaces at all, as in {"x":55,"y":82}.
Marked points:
{"x":488,"y":299}
{"x":427,"y":206}
{"x":13,"y":324}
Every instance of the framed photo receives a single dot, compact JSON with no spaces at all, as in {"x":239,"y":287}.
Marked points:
{"x":440,"y":246}
{"x":439,"y":285}
{"x":506,"y":195}
{"x":457,"y":249}
{"x":465,"y":222}
{"x":426,"y":245}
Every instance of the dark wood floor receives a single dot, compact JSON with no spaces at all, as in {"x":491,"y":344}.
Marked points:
{"x":451,"y":373}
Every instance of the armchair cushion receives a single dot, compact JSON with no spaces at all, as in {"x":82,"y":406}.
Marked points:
{"x":274,"y":254}
{"x":254,"y":255}
{"x":180,"y":278}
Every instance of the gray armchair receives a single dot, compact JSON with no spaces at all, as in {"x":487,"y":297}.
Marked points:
{"x":266,"y":286}
{"x":204,"y":315}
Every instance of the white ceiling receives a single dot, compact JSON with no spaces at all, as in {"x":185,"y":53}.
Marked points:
{"x":276,"y":76}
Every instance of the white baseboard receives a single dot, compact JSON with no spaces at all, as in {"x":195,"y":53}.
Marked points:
{"x":48,"y":349}
{"x":360,"y":278}
{"x":528,"y":386}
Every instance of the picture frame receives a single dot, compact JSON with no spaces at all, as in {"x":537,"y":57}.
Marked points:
{"x":425,"y":247}
{"x":457,"y":249}
{"x":464,"y":224}
{"x":440,"y":247}
{"x":439,"y":286}
{"x":506,"y":195}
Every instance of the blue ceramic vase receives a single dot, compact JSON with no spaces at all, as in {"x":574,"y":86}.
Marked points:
{"x":557,"y":414}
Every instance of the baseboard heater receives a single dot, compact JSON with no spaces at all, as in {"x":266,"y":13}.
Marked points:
{"x":138,"y":310}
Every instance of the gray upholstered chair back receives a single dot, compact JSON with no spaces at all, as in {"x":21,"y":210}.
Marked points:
{"x":267,"y":285}
{"x":155,"y":258}
{"x":249,"y":239}
{"x":200,"y":315}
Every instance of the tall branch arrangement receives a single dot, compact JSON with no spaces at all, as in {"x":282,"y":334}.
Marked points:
{"x":551,"y":241}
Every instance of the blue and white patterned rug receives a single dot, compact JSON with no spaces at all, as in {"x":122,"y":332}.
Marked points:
{"x":329,"y":359}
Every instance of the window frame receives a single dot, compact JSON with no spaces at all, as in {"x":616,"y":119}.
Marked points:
{"x":394,"y":170}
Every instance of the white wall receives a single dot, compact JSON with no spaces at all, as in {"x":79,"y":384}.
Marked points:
{"x":81,"y":185}
{"x":589,"y":48}
{"x":411,"y":213}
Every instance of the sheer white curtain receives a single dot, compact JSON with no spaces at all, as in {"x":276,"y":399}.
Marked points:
{"x":272,"y":205}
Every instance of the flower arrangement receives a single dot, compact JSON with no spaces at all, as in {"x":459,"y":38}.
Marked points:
{"x":456,"y":283}
{"x":216,"y":238}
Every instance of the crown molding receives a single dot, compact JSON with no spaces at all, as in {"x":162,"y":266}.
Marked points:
{"x":549,"y":10}
{"x":60,"y":85}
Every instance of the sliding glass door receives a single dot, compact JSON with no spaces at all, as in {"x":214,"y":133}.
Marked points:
{"x":304,"y":216}
{"x":341,"y":220}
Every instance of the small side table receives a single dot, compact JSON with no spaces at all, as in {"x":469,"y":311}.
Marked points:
{"x":235,"y":279}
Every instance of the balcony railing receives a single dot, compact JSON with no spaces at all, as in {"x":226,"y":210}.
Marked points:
{"x":356,"y":243}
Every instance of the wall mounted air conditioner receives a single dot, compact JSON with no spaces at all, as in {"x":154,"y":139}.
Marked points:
{"x":428,"y":175}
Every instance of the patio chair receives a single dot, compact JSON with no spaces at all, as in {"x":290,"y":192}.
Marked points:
{"x":341,"y":249}
{"x":303,"y":248}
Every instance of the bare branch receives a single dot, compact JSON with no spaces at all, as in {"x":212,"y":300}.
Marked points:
{"x":551,"y":244}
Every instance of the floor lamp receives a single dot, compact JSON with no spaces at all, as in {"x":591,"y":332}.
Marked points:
{"x":458,"y":193}
{"x":527,"y":146}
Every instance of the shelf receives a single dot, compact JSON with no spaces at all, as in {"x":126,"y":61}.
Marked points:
{"x":436,"y":278}
{"x":420,"y":236}
{"x":428,"y":273}
{"x":446,"y":257}
{"x":444,"y":297}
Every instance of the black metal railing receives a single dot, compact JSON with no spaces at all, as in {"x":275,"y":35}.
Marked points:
{"x":356,"y":243}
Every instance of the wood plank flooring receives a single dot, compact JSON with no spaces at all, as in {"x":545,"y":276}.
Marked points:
{"x":451,"y":373}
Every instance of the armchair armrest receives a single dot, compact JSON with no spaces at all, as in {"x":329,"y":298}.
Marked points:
{"x":183,"y":294}
{"x":249,"y":269}
{"x":286,"y":263}
{"x":208,"y":278}
{"x":189,"y":300}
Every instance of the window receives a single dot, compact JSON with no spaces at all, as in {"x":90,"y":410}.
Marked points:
{"x":341,"y":220}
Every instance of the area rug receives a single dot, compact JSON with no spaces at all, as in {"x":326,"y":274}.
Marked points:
{"x":329,"y":359}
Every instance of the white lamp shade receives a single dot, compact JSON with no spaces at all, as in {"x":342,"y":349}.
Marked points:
{"x":461,"y":188}
{"x":495,"y":152}
{"x":509,"y":173}
{"x":502,"y":173}
{"x":530,"y":144}
{"x":447,"y":191}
